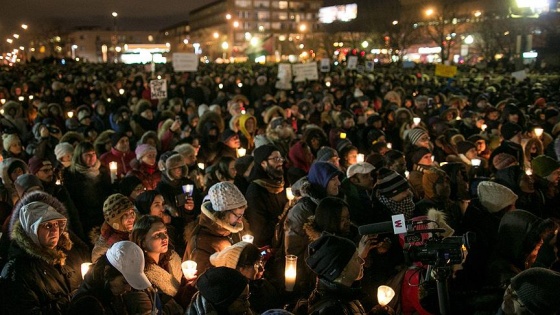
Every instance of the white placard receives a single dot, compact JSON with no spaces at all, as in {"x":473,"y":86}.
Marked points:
{"x":519,"y":75}
{"x":325,"y":65}
{"x":305,"y":71}
{"x":185,"y":62}
{"x":370,"y":65}
{"x":284,"y":76}
{"x":158,"y":89}
{"x":399,"y":224}
{"x":352,"y":62}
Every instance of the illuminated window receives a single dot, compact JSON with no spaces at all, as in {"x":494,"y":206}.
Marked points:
{"x":282,"y":4}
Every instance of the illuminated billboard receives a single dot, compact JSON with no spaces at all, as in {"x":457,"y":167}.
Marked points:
{"x":343,"y":13}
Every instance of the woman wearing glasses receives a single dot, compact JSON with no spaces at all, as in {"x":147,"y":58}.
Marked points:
{"x":219,"y":225}
{"x":247,"y":259}
{"x":42,"y":269}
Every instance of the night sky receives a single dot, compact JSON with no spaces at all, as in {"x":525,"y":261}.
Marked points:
{"x":43,"y":15}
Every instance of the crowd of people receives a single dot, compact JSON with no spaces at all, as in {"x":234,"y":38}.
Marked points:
{"x":234,"y":174}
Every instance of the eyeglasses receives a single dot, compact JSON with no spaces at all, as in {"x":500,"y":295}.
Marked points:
{"x":46,"y":170}
{"x":52,"y":225}
{"x":238,"y":216}
{"x":277,"y":159}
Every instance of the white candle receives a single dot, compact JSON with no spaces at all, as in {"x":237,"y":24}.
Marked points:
{"x":360,"y":158}
{"x":416,"y":120}
{"x":343,"y":135}
{"x":248,"y":238}
{"x":121,"y":91}
{"x":538,"y":132}
{"x":389,"y":145}
{"x":201,"y":166}
{"x":529,"y":172}
{"x":58,"y":182}
{"x":241,"y":152}
{"x":113,"y":169}
{"x":475,"y":162}
{"x":385,"y":294}
{"x":70,"y":114}
{"x":483,"y":127}
{"x":406,"y":173}
{"x":21,"y":98}
{"x":189,"y":269}
{"x":289,"y":194}
{"x":290,"y":272}
{"x":85,"y":268}
{"x":3,"y":101}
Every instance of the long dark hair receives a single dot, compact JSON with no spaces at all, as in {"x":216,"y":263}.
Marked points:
{"x":328,"y":215}
{"x":81,"y":148}
{"x":141,"y":228}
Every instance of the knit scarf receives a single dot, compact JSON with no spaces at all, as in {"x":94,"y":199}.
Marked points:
{"x":273,"y":186}
{"x":91,"y":172}
{"x":405,"y":206}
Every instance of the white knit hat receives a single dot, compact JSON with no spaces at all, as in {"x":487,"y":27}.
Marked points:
{"x":228,"y":257}
{"x":226,"y":196}
{"x":63,"y":149}
{"x":494,"y":196}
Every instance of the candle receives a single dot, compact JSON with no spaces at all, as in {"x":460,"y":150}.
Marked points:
{"x":483,"y":127}
{"x":189,"y":269}
{"x":360,"y":158}
{"x":529,"y":172}
{"x":406,"y":173}
{"x":188,"y":189}
{"x":113,"y":169}
{"x":21,"y":98}
{"x":121,"y":91}
{"x":416,"y":120}
{"x":389,"y":145}
{"x":2,"y":111}
{"x":248,"y":238}
{"x":201,"y":166}
{"x":343,"y":135}
{"x":241,"y":152}
{"x":475,"y":162}
{"x":289,"y":194}
{"x":30,"y":97}
{"x":85,"y":268}
{"x":70,"y":114}
{"x":384,"y":295}
{"x":58,"y":182}
{"x":538,"y":132}
{"x":3,"y":101}
{"x":290,"y":272}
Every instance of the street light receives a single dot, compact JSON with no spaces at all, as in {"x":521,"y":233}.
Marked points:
{"x":365,"y":44}
{"x":74,"y":47}
{"x":429,"y":12}
{"x":469,"y":40}
{"x":228,"y":16}
{"x":236,"y":24}
{"x":216,"y":35}
{"x":24,"y":26}
{"x":225,"y":47}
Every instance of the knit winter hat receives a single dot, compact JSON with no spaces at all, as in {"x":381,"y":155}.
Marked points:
{"x":243,"y":163}
{"x":33,"y":214}
{"x":464,"y":146}
{"x":25,"y":182}
{"x":509,"y":130}
{"x":325,"y":154}
{"x":504,"y":160}
{"x":114,"y":208}
{"x":228,"y":133}
{"x":415,"y":134}
{"x":495,"y":197}
{"x":116,"y":137}
{"x":8,"y":139}
{"x":418,"y":154}
{"x":342,"y":144}
{"x":62,"y":149}
{"x":144,"y":201}
{"x":321,"y":173}
{"x":390,"y":183}
{"x":221,"y":286}
{"x":144,"y":149}
{"x":430,"y":177}
{"x":329,"y":255}
{"x":226,"y":196}
{"x":83,"y":114}
{"x":537,"y":288}
{"x":36,"y":163}
{"x":128,"y":184}
{"x":543,"y":165}
{"x":235,"y":255}
{"x":263,"y":152}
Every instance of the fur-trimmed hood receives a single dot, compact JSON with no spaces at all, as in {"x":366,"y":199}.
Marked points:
{"x":270,"y":112}
{"x":6,"y":165}
{"x":210,"y":116}
{"x":219,"y":226}
{"x":32,"y":197}
{"x":167,"y":281}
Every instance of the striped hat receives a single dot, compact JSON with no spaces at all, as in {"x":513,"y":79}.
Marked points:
{"x":390,"y":183}
{"x":415,"y":134}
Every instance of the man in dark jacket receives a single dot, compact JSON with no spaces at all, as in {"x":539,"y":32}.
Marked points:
{"x":265,"y":195}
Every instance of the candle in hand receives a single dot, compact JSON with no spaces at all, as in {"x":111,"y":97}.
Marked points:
{"x":241,"y":152}
{"x":85,"y":268}
{"x":189,"y":269}
{"x":290,"y":272}
{"x":247,"y":238}
{"x":113,"y":169}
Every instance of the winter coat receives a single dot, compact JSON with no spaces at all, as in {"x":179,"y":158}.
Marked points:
{"x":360,"y":202}
{"x":123,"y":160}
{"x":210,"y":236}
{"x":201,"y":306}
{"x":88,"y":195}
{"x":8,"y":191}
{"x":149,"y":175}
{"x":171,"y":190}
{"x":333,"y":298}
{"x":263,"y":209}
{"x":511,"y":148}
{"x":37,"y":280}
{"x":106,"y":239}
{"x":167,"y":282}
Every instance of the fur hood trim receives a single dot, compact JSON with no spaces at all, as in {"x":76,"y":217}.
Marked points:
{"x":271,"y":111}
{"x":205,"y":209}
{"x":6,"y":165}
{"x":167,"y":281}
{"x":50,"y":256}
{"x":441,"y":219}
{"x":309,"y":228}
{"x":36,"y":196}
{"x":207,"y":117}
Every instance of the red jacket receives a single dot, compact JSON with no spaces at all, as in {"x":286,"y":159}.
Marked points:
{"x":123,"y":160}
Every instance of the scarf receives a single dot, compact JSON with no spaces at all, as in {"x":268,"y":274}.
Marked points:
{"x":112,"y":236}
{"x":405,"y":206}
{"x":91,"y":172}
{"x":273,"y":186}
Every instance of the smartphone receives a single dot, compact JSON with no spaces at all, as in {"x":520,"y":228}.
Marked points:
{"x":181,"y":199}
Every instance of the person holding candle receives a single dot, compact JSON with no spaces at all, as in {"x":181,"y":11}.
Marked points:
{"x":219,"y":225}
{"x":247,"y":259}
{"x":119,"y":215}
{"x":144,"y":166}
{"x":163,"y":264}
{"x":89,"y":184}
{"x":337,"y":265}
{"x":120,"y":153}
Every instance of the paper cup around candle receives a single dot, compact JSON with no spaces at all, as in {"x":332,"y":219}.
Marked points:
{"x":189,"y":269}
{"x":201,"y":166}
{"x":416,"y":120}
{"x":483,"y":127}
{"x":475,"y":162}
{"x":360,"y":158}
{"x":343,"y":135}
{"x":529,"y":172}
{"x":289,"y":193}
{"x":385,"y":294}
{"x":290,"y":273}
{"x":188,"y":189}
{"x":70,"y":114}
{"x":241,"y":152}
{"x":248,"y":238}
{"x":85,"y":268}
{"x":538,"y":132}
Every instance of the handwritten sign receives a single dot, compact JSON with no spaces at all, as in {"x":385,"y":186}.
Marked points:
{"x":305,"y":71}
{"x":519,"y":75}
{"x":325,"y":65}
{"x":370,"y":64}
{"x":185,"y":62}
{"x":446,"y":71}
{"x":158,"y":89}
{"x":284,"y":81}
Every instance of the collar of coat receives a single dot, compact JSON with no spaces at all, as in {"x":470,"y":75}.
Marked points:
{"x":50,"y":256}
{"x":217,"y":225}
{"x":167,"y":281}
